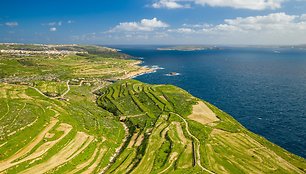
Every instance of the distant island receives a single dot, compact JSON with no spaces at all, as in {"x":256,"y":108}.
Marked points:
{"x":302,"y":47}
{"x":188,"y":48}
{"x":173,"y":74}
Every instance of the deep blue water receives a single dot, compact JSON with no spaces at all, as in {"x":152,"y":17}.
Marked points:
{"x":262,"y":89}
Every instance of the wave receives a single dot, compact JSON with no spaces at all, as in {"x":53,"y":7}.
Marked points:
{"x":156,"y":67}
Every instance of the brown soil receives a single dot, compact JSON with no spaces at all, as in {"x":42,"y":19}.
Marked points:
{"x":139,"y":140}
{"x":202,"y":114}
{"x":180,"y":132}
{"x":73,"y":148}
{"x":5,"y":164}
{"x":133,"y":139}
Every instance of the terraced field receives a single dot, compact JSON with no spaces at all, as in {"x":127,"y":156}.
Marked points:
{"x":40,"y":134}
{"x":174,"y":132}
{"x":49,"y":120}
{"x":54,"y":119}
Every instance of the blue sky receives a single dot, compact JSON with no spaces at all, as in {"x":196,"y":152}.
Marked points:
{"x":154,"y":21}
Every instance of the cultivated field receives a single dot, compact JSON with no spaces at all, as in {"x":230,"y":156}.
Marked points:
{"x":62,"y":114}
{"x":179,"y":133}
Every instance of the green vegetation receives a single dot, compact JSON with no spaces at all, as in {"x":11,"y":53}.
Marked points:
{"x":61,"y":114}
{"x":175,"y":143}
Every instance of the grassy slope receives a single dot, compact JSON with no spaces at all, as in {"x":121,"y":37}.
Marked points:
{"x":35,"y":129}
{"x":82,"y":133}
{"x":225,"y":146}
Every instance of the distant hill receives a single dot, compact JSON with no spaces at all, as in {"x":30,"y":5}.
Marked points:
{"x":72,"y":48}
{"x":188,"y":48}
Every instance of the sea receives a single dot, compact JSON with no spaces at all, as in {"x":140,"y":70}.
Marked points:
{"x":263,"y":88}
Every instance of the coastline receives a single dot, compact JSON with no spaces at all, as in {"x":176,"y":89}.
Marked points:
{"x":166,"y":110}
{"x":258,"y":117}
{"x":142,"y":70}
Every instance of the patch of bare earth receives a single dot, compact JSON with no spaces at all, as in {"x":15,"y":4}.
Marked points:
{"x":133,"y":139}
{"x":202,"y":114}
{"x":139,"y":140}
{"x":66,"y":128}
{"x":5,"y":164}
{"x":73,"y":148}
{"x":49,"y":135}
{"x":180,"y":132}
{"x":163,"y":97}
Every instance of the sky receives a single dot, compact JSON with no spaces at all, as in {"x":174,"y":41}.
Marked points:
{"x":110,"y":22}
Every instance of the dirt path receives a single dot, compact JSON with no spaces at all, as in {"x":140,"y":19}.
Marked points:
{"x":73,"y":148}
{"x":198,"y":155}
{"x":40,"y":92}
{"x":5,"y":164}
{"x":62,"y":96}
{"x":81,"y":82}
{"x":68,"y":89}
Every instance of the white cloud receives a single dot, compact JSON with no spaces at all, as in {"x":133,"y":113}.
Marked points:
{"x":274,"y":21}
{"x":53,"y":26}
{"x":183,"y":30}
{"x":270,"y":22}
{"x":52,"y":29}
{"x":238,"y":4}
{"x":274,"y":28}
{"x":11,"y":24}
{"x":170,"y":4}
{"x":303,"y":17}
{"x":143,"y":25}
{"x":243,"y":4}
{"x":197,"y":25}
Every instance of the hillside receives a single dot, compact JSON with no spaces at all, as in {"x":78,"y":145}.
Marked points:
{"x":172,"y":131}
{"x":64,"y":114}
